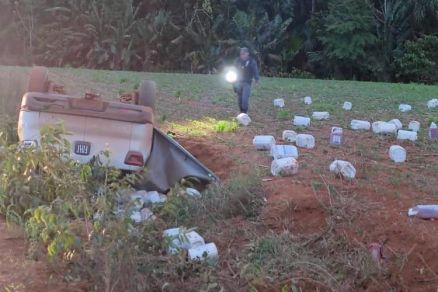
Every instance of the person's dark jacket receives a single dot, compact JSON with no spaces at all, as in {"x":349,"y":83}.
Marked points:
{"x":247,"y":70}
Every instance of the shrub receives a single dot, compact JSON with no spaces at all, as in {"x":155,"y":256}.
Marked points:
{"x":419,"y":61}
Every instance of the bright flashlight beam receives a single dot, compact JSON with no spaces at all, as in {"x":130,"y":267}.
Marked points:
{"x":231,"y":76}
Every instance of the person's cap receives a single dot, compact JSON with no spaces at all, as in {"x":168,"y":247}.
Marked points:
{"x":244,"y":50}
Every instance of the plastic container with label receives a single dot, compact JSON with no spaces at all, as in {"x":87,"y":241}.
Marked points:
{"x":305,"y":141}
{"x":347,"y":106}
{"x":263,"y":142}
{"x":207,"y":252}
{"x":397,"y":153}
{"x":397,"y":123}
{"x":336,"y":136}
{"x":321,"y":116}
{"x":407,"y":135}
{"x":279,"y":102}
{"x":414,"y":126}
{"x":308,"y":100}
{"x":289,"y":136}
{"x":301,"y":121}
{"x":344,"y":168}
{"x":433,"y":131}
{"x":283,"y":151}
{"x":384,"y":128}
{"x":243,"y":119}
{"x":284,"y":166}
{"x":360,"y":125}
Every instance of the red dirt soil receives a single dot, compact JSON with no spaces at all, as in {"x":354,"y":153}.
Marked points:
{"x":293,"y":205}
{"x":18,"y":273}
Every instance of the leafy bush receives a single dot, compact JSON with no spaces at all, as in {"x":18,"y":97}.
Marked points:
{"x":419,"y":61}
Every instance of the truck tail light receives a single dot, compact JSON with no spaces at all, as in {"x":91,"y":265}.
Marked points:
{"x":134,"y":158}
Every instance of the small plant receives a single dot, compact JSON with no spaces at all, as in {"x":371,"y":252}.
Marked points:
{"x":283,"y":114}
{"x":226,"y":126}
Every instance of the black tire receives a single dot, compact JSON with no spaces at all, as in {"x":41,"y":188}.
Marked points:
{"x":38,"y":80}
{"x":147,"y":92}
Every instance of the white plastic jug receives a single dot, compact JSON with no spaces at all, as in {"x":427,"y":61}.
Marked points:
{"x":305,"y":141}
{"x":301,"y":121}
{"x":289,"y":136}
{"x":283,"y":151}
{"x":321,"y":115}
{"x":360,"y":125}
{"x":404,"y":108}
{"x":263,"y":142}
{"x":424,"y":211}
{"x":336,"y":136}
{"x":181,"y":239}
{"x":397,"y":153}
{"x":207,"y":252}
{"x":284,"y":166}
{"x":414,"y":126}
{"x":243,"y":119}
{"x":397,"y":123}
{"x":433,"y":103}
{"x":407,"y":135}
{"x":347,"y":106}
{"x":384,"y":128}
{"x":279,"y":102}
{"x":344,"y":168}
{"x":308,"y":100}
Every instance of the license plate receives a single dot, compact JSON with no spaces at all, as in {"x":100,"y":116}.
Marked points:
{"x":82,"y":148}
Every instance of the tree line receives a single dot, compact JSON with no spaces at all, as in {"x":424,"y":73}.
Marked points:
{"x":388,"y":40}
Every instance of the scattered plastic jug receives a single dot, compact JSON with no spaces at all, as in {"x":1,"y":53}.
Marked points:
{"x":397,"y":123}
{"x":301,"y":121}
{"x":283,"y":151}
{"x":289,"y":136}
{"x":243,"y":119}
{"x":263,"y":142}
{"x":279,"y":102}
{"x":207,"y":252}
{"x":321,"y":115}
{"x":414,"y":126}
{"x":407,"y":135}
{"x":433,"y":131}
{"x":284,"y":166}
{"x":433,"y":103}
{"x":347,"y":106}
{"x":305,"y":141}
{"x":424,"y":211}
{"x":360,"y":125}
{"x":308,"y":100}
{"x":344,"y":168}
{"x":405,"y":108}
{"x":182,"y":239}
{"x":336,"y":136}
{"x":397,"y":153}
{"x":384,"y":128}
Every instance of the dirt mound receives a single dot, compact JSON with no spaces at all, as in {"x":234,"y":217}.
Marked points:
{"x":214,"y":156}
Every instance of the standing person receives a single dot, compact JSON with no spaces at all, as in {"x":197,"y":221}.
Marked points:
{"x":247,"y":71}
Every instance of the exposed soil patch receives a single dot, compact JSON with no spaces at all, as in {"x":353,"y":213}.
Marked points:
{"x":18,"y":273}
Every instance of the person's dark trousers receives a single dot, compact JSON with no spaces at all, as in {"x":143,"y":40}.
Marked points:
{"x":243,"y":94}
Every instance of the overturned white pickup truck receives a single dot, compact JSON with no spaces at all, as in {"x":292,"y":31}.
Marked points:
{"x":126,"y":130}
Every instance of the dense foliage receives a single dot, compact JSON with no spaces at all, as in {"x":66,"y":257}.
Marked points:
{"x":391,"y":40}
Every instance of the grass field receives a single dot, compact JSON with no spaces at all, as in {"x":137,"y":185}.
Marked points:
{"x":314,"y":229}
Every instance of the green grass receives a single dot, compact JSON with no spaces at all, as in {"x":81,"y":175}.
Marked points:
{"x":371,"y":100}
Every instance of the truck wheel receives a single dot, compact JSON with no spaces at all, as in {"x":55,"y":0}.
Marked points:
{"x":38,"y":80}
{"x":146,"y":93}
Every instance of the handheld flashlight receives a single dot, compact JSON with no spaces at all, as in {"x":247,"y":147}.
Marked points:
{"x":231,"y":76}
